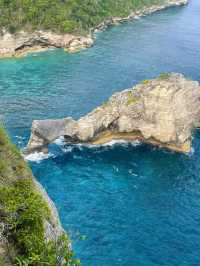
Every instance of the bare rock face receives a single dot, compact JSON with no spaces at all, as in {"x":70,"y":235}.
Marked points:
{"x":162,"y":111}
{"x":46,"y":131}
{"x":22,"y":43}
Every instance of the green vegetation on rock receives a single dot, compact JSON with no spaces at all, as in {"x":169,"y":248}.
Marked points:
{"x":23,"y":212}
{"x":164,"y":76}
{"x":145,"y":82}
{"x":131,"y":98}
{"x":76,"y":16}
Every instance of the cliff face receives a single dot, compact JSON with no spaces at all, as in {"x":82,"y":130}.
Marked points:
{"x":22,"y":43}
{"x":163,"y":111}
{"x":30,"y":230}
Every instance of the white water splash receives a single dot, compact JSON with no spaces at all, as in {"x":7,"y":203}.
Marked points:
{"x":192,"y":151}
{"x":67,"y":149}
{"x":122,"y":142}
{"x":20,"y":140}
{"x":60,"y":141}
{"x":38,"y":156}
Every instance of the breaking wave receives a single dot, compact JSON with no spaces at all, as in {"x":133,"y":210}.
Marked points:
{"x":38,"y":156}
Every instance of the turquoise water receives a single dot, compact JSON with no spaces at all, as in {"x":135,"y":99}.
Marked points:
{"x":126,"y":204}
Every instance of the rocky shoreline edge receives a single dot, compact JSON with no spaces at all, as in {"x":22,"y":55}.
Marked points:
{"x":139,"y":13}
{"x":23,"y":43}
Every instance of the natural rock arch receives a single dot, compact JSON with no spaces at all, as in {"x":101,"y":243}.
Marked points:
{"x":162,"y":111}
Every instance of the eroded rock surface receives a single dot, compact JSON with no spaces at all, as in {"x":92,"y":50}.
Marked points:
{"x":163,"y":111}
{"x":22,"y":43}
{"x":44,"y":132}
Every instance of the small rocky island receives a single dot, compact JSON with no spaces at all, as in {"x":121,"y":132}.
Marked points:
{"x":162,"y":111}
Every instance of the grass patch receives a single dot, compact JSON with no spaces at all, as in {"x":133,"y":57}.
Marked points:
{"x":131,"y":99}
{"x":104,"y":104}
{"x":164,"y":76}
{"x":145,"y":82}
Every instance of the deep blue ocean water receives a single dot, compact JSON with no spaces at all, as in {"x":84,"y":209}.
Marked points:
{"x":125,"y":204}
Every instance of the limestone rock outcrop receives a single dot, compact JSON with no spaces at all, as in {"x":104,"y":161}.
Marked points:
{"x":22,"y":43}
{"x":162,"y":111}
{"x":46,"y":131}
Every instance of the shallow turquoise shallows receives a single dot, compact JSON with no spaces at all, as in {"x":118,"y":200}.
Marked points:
{"x":123,"y":204}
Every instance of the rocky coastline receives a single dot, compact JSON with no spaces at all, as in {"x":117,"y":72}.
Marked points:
{"x":139,"y":13}
{"x":23,"y":43}
{"x":162,"y":112}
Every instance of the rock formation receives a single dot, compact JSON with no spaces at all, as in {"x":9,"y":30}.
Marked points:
{"x":162,"y":111}
{"x":22,"y":43}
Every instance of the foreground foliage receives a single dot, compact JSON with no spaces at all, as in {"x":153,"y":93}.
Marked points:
{"x":64,"y":15}
{"x":23,"y":212}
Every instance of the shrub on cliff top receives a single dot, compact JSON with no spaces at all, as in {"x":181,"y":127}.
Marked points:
{"x":164,"y":76}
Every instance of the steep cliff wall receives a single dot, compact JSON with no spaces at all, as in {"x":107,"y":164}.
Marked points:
{"x":30,"y":230}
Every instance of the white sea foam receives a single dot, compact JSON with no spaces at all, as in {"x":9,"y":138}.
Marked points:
{"x":114,"y":142}
{"x":68,"y":147}
{"x":122,"y":142}
{"x":19,"y":137}
{"x":111,"y":143}
{"x":20,"y":141}
{"x":191,"y":152}
{"x":65,"y":148}
{"x":40,"y":156}
{"x":37,"y":156}
{"x":60,"y":141}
